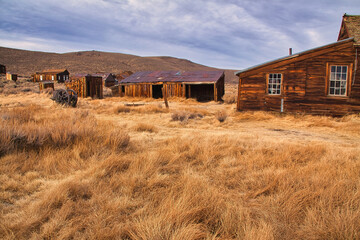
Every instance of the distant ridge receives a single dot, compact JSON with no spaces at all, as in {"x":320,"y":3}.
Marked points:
{"x":25,"y":63}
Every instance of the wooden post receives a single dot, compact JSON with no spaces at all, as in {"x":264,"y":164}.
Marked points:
{"x":165,"y":96}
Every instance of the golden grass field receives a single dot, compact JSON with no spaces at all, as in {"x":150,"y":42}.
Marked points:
{"x":104,"y":170}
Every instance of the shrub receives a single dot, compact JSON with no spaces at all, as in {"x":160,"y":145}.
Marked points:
{"x":229,"y":98}
{"x":122,"y":109}
{"x":143,"y":127}
{"x":221,"y":116}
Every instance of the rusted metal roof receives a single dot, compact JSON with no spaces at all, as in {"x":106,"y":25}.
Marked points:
{"x":174,"y":76}
{"x":55,"y":71}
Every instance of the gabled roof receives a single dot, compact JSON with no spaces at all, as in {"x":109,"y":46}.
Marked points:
{"x":350,"y":27}
{"x":297,"y":56}
{"x":174,"y":76}
{"x":54,"y":71}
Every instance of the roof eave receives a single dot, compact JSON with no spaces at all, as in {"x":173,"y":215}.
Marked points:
{"x":292,"y":56}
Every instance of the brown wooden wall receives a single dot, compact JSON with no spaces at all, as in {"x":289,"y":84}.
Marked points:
{"x":304,"y":86}
{"x":50,"y":76}
{"x":178,"y":89}
{"x":2,"y":69}
{"x":87,"y":86}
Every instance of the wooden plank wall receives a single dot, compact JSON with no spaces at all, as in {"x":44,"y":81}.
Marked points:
{"x":304,"y":87}
{"x":172,"y":89}
{"x":88,"y":86}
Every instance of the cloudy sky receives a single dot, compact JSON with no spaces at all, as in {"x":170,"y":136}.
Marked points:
{"x":232,"y":34}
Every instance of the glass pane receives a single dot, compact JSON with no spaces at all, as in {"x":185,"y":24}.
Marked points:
{"x":332,"y":83}
{"x":332,"y":76}
{"x":332,"y":90}
{"x":343,"y":91}
{"x":343,"y":76}
{"x":333,"y":68}
{"x":279,"y":76}
{"x":337,"y":91}
{"x":338,"y":68}
{"x":338,"y":76}
{"x":337,"y":84}
{"x":270,"y":75}
{"x":344,"y":69}
{"x":270,"y":80}
{"x":278,"y":91}
{"x":343,"y":84}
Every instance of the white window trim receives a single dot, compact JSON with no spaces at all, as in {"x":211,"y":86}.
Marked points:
{"x":335,"y":80}
{"x":274,"y":84}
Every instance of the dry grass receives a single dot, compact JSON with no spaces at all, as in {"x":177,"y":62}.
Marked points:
{"x":144,"y":127}
{"x":93,"y":174}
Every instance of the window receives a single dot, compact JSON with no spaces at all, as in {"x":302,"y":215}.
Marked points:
{"x":52,"y":78}
{"x":274,"y":83}
{"x":338,"y":80}
{"x":40,"y":77}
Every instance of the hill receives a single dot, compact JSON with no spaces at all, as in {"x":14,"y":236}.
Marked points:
{"x":24,"y":62}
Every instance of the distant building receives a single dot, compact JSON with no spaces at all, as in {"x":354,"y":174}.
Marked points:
{"x":2,"y":69}
{"x":201,"y":85}
{"x":11,"y":76}
{"x":323,"y":80}
{"x":109,"y":79}
{"x":59,"y":75}
{"x":86,"y":85}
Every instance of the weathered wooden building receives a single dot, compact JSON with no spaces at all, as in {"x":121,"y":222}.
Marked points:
{"x":202,"y":85}
{"x":59,"y":75}
{"x":323,"y":80}
{"x":109,"y":79}
{"x":11,"y":76}
{"x":2,"y":69}
{"x":86,"y":85}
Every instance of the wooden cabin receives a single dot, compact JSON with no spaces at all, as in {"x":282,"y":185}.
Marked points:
{"x":323,"y":80}
{"x":11,"y":76}
{"x":86,"y":85}
{"x":109,"y":79}
{"x":2,"y":69}
{"x":201,"y":85}
{"x":59,"y":75}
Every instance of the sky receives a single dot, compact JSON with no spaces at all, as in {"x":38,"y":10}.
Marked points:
{"x":229,"y":34}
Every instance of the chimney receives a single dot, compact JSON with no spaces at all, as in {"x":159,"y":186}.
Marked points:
{"x":290,"y":51}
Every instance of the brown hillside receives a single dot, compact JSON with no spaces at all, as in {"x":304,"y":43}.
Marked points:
{"x":26,"y":62}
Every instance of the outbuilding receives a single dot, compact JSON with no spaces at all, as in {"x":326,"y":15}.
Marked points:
{"x":201,"y":85}
{"x":86,"y":85}
{"x":323,"y":80}
{"x":2,"y":69}
{"x":59,"y":75}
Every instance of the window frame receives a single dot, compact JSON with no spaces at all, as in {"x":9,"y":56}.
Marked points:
{"x":348,"y":79}
{"x":281,"y":84}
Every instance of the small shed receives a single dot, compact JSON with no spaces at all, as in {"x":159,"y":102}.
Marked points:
{"x":201,"y":85}
{"x":2,"y":69}
{"x":323,"y":80}
{"x":60,"y":75}
{"x":109,"y":79}
{"x":11,"y":76}
{"x":46,"y":84}
{"x":86,"y":85}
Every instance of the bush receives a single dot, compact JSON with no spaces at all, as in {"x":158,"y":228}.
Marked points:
{"x":122,"y":109}
{"x":143,"y":127}
{"x":221,"y":116}
{"x":229,"y":98}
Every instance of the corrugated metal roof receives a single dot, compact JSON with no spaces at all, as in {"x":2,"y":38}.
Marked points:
{"x":173,"y":76}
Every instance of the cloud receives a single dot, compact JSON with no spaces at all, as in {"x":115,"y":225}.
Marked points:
{"x":221,"y":33}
